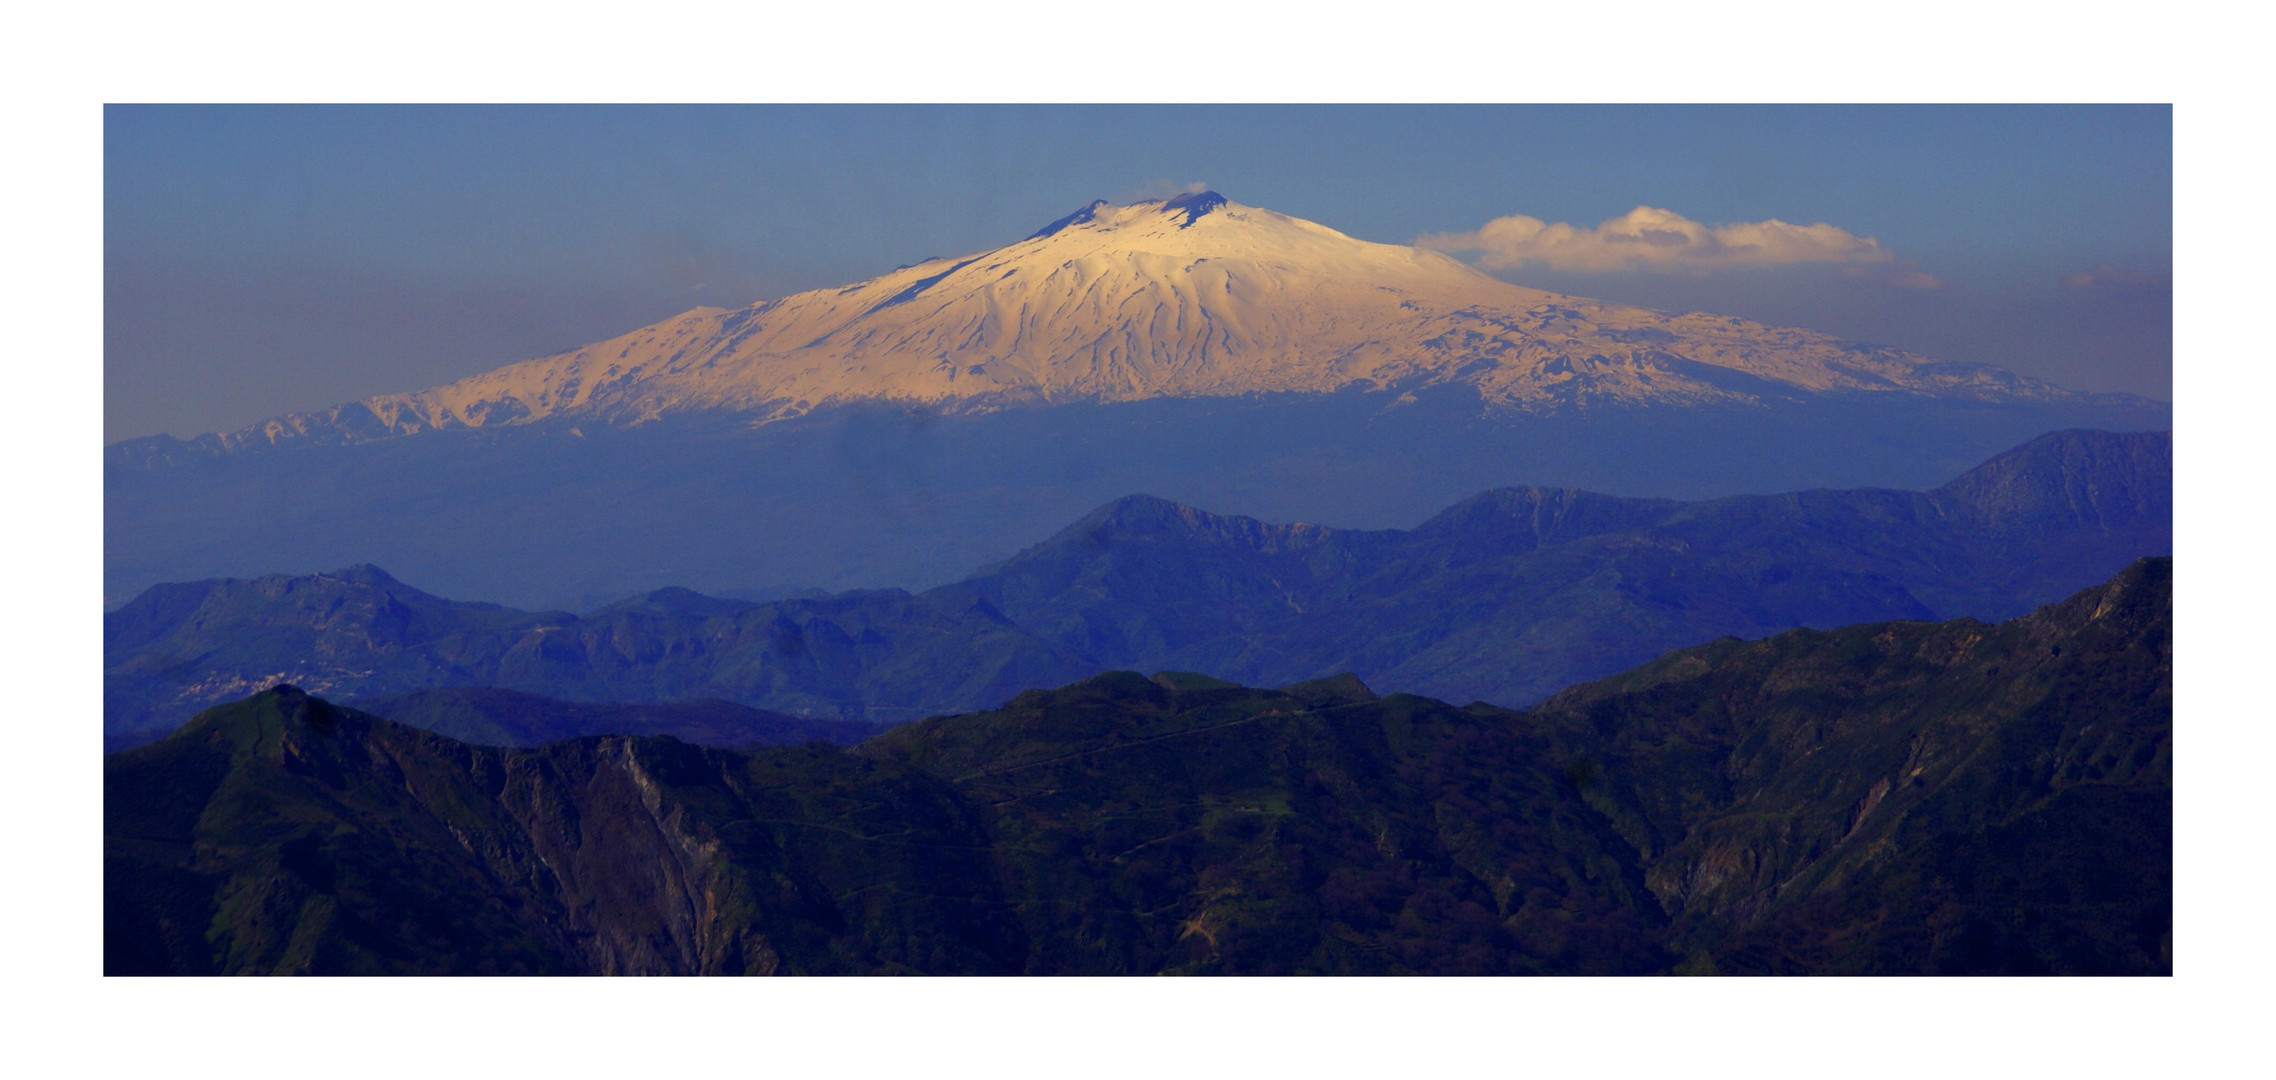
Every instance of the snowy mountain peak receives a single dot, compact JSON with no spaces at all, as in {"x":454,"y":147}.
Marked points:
{"x":1190,"y":296}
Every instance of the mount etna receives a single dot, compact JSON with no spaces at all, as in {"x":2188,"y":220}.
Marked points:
{"x":900,"y":430}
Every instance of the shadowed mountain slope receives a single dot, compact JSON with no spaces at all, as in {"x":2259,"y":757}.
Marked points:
{"x":1907,"y":797}
{"x":1903,"y":797}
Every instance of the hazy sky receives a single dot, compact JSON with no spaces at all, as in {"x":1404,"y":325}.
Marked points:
{"x":260,"y":260}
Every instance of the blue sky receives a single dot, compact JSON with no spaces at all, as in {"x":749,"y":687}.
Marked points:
{"x":265,"y":259}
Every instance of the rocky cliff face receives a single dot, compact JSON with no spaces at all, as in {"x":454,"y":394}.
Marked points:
{"x":303,"y":837}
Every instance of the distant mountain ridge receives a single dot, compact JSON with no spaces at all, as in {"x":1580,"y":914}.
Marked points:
{"x":1507,"y":597}
{"x":362,"y":634}
{"x":1195,"y":296}
{"x":1514,"y":594}
{"x":1894,"y":798}
{"x":489,"y":716}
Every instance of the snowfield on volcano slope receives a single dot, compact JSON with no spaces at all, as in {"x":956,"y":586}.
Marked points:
{"x":1194,"y":296}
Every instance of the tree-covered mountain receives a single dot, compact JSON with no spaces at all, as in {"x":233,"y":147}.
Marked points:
{"x":1953,"y":797}
{"x":1505,"y":597}
{"x":1924,"y":797}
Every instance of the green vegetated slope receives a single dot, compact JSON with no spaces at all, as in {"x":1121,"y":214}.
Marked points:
{"x":1900,"y":797}
{"x":1506,"y":597}
{"x":1906,"y":797}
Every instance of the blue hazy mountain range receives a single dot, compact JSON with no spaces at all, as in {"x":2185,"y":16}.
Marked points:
{"x":1506,"y":597}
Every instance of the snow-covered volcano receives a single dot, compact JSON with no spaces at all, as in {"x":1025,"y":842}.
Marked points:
{"x":1189,"y":348}
{"x":1194,"y":296}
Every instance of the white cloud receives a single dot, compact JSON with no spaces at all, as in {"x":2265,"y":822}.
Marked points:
{"x":1649,"y":238}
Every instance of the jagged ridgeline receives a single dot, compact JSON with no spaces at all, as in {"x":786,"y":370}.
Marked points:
{"x":1918,"y":797}
{"x":1505,"y":597}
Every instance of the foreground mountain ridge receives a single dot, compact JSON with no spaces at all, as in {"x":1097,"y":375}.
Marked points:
{"x":1506,"y":597}
{"x":1194,"y":296}
{"x":1955,"y":798}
